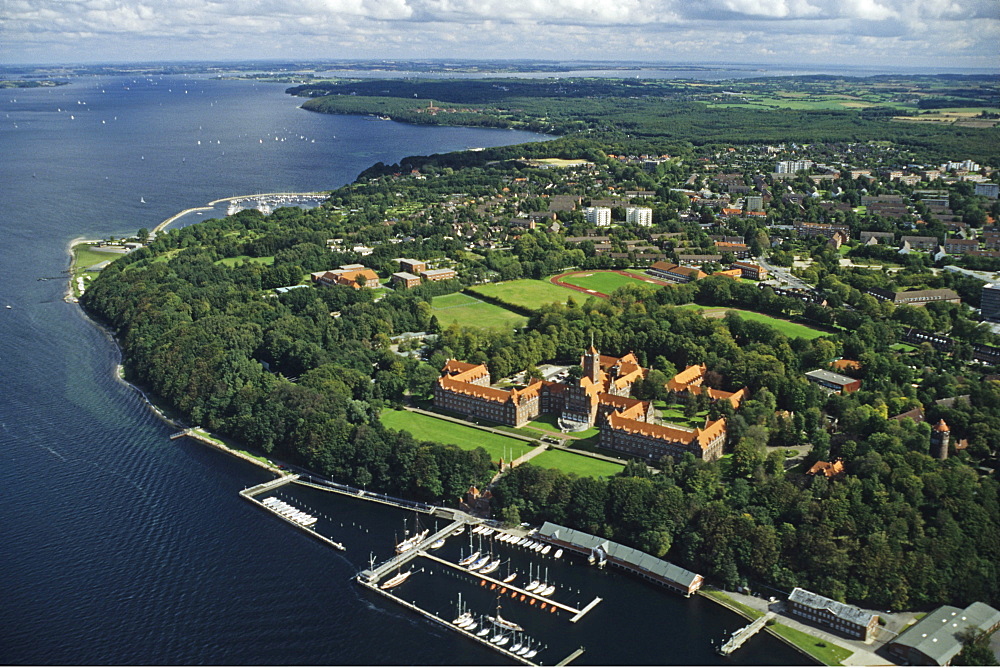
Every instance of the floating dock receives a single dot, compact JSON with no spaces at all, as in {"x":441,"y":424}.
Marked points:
{"x":250,"y":494}
{"x":744,"y":634}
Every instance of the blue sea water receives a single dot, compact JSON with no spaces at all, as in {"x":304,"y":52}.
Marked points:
{"x":120,"y":546}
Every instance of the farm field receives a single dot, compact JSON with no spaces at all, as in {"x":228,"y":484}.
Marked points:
{"x":581,"y":465}
{"x":527,"y":293}
{"x":789,"y":329}
{"x":427,"y":428}
{"x":467,"y":311}
{"x":601,"y":281}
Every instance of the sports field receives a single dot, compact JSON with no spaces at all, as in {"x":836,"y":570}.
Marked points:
{"x":789,"y":329}
{"x":527,"y":293}
{"x":601,"y":281}
{"x":467,"y":311}
{"x":567,"y":462}
{"x":427,"y":428}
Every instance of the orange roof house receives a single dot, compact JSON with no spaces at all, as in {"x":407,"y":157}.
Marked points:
{"x":828,"y":469}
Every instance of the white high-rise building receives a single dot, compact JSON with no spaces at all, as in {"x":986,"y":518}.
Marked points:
{"x":598,"y":215}
{"x":639,"y":215}
{"x":792,"y":166}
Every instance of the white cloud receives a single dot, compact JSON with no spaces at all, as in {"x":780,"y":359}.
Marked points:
{"x":920,"y":31}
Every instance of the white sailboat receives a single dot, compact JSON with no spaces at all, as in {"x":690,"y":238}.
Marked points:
{"x":469,"y":559}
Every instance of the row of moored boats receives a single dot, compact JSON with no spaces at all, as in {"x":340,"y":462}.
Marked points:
{"x":518,"y":541}
{"x":289,"y":511}
{"x":499,"y":632}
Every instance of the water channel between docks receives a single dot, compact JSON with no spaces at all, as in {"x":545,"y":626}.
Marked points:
{"x":371,"y":577}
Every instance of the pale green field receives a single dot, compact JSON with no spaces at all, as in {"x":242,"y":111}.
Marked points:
{"x":427,"y":428}
{"x":789,"y":329}
{"x":528,"y":293}
{"x":581,"y":465}
{"x":467,"y":311}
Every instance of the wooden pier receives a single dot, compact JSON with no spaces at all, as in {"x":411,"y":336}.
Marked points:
{"x":744,"y":634}
{"x":571,"y":657}
{"x":252,"y":492}
{"x":577,"y":614}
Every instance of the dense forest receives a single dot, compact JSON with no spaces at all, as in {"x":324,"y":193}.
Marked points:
{"x":647,"y":113}
{"x":899,"y":530}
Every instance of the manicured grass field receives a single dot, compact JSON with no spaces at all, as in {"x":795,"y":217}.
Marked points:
{"x":602,"y":281}
{"x":789,"y":329}
{"x":567,"y":462}
{"x":823,"y":651}
{"x":468,"y":311}
{"x":233,"y":261}
{"x":427,"y":428}
{"x":528,"y":293}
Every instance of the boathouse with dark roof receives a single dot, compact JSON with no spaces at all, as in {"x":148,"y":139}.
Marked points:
{"x":626,"y":558}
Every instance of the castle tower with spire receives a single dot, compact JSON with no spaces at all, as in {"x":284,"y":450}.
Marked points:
{"x":592,"y":362}
{"x":940,"y":438}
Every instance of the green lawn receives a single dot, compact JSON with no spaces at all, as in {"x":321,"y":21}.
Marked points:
{"x":602,"y":281}
{"x":789,"y":329}
{"x":823,"y":651}
{"x":467,"y":311}
{"x":84,"y":256}
{"x":233,"y":261}
{"x":568,"y":462}
{"x":528,"y":293}
{"x":427,"y":428}
{"x":723,"y":597}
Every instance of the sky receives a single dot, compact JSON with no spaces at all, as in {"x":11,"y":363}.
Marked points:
{"x":881,"y":34}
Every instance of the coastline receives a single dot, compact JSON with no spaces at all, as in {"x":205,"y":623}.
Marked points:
{"x":201,"y":435}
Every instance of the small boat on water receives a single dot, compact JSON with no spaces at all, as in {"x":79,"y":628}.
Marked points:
{"x":485,"y":631}
{"x":533,"y":586}
{"x":546,"y":549}
{"x":558,"y":554}
{"x":438,"y":543}
{"x":479,"y":563}
{"x":547,"y":591}
{"x":539,"y":547}
{"x":510,"y":578}
{"x":469,"y":559}
{"x":531,"y":654}
{"x":490,"y":567}
{"x":462,"y":619}
{"x":471,"y":626}
{"x":458,"y":531}
{"x":524,"y":649}
{"x":395,"y":580}
{"x":522,"y":542}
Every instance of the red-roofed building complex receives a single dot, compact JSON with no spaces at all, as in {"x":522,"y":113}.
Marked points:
{"x":599,"y":397}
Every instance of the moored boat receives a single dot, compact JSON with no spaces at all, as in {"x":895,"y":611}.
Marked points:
{"x":395,"y":580}
{"x":469,"y":559}
{"x":490,"y":567}
{"x":558,"y":554}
